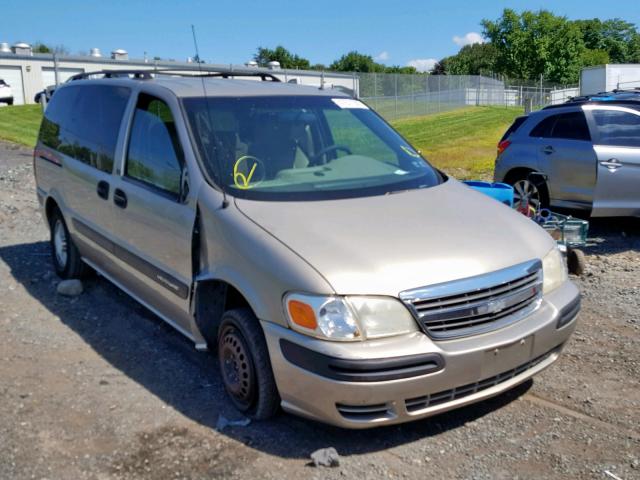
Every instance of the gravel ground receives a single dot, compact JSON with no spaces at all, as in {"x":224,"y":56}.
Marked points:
{"x":97,"y":387}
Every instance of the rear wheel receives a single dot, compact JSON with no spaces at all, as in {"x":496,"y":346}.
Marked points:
{"x":529,"y":191}
{"x":245,"y":365}
{"x":64,"y":253}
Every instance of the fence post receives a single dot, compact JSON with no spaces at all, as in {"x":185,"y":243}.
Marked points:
{"x":355,"y":92}
{"x":396,"y":92}
{"x":439,"y":93}
{"x":55,"y":69}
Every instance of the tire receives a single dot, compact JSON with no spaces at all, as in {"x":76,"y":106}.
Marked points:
{"x":529,"y":190}
{"x":64,"y":253}
{"x":576,"y":261}
{"x":245,"y":366}
{"x":10,"y":101}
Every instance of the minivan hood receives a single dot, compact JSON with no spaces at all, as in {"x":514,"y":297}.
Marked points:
{"x":382,"y":245}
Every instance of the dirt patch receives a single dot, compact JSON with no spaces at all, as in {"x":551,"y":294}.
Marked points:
{"x":97,"y":387}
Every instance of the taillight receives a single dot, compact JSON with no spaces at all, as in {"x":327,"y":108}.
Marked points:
{"x":502,"y":146}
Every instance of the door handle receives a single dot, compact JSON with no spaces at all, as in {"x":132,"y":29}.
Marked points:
{"x":548,"y":150}
{"x":103,"y":189}
{"x":120,"y":198}
{"x":612,"y":164}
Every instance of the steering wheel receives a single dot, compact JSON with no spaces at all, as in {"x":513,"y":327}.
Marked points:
{"x":313,"y":160}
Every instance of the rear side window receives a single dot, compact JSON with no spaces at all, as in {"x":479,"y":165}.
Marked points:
{"x":514,"y":126}
{"x":154,"y":156}
{"x":83,"y":122}
{"x":569,"y":126}
{"x":544,"y":128}
{"x":617,"y":128}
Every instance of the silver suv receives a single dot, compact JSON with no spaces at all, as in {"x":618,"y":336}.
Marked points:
{"x":583,"y":154}
{"x":291,"y":230}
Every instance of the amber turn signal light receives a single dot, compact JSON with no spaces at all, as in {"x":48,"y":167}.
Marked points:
{"x":302,"y":314}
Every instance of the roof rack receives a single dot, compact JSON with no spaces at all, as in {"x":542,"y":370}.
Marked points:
{"x":618,"y":96}
{"x":148,"y":74}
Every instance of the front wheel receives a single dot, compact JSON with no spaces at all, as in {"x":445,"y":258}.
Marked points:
{"x":245,"y":365}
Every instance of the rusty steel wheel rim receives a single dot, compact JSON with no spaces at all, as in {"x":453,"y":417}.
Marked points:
{"x":237,"y":370}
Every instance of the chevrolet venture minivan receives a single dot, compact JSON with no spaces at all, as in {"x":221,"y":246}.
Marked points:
{"x":290,"y":229}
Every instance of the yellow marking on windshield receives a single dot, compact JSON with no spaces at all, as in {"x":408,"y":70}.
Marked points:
{"x":241,"y":180}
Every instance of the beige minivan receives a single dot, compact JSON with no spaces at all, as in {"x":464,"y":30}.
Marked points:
{"x":290,"y":229}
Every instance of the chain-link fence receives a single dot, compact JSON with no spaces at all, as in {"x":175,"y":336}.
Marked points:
{"x":397,"y":96}
{"x":629,"y":85}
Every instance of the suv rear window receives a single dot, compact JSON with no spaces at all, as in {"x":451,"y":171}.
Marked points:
{"x":83,"y":122}
{"x":514,"y":126}
{"x":569,"y":126}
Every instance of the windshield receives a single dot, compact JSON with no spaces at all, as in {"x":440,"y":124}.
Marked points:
{"x":303,"y":148}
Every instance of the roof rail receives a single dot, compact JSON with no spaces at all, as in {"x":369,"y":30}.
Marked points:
{"x":618,"y":96}
{"x":147,"y":74}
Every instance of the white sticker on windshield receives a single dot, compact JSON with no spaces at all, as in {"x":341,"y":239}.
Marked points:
{"x":349,"y":103}
{"x":400,"y":172}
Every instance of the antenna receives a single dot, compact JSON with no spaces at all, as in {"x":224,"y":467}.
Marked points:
{"x":225,"y":202}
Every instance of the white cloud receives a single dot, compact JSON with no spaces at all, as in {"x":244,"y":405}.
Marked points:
{"x":382,"y":56}
{"x":423,"y":64}
{"x":469,"y":39}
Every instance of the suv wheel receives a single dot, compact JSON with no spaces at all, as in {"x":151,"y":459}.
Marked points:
{"x":529,"y":192}
{"x":245,"y":365}
{"x":65,"y":255}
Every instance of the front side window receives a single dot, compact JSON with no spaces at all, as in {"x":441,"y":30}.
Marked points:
{"x":154,"y":156}
{"x":617,"y":127}
{"x":302,"y":148}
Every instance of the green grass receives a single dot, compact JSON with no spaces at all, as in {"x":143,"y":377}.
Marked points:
{"x":20,"y":124}
{"x":460,"y":142}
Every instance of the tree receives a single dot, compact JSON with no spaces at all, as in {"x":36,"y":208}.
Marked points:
{"x":356,"y":62}
{"x":280,"y":54}
{"x":616,"y":37}
{"x":593,"y":57}
{"x":476,"y":59}
{"x":40,"y":47}
{"x":531,"y":44}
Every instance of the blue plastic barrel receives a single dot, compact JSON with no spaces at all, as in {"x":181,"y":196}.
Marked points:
{"x":499,"y":191}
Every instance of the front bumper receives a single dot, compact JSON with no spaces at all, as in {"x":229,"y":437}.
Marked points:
{"x":466,"y":370}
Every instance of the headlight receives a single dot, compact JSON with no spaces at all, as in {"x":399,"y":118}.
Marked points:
{"x":554,"y":270}
{"x":347,"y":318}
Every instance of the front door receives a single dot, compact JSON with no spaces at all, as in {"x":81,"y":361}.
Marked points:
{"x":153,"y":214}
{"x":617,"y":145}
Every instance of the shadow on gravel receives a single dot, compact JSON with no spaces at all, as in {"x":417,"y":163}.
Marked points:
{"x":145,"y":349}
{"x":613,"y":235}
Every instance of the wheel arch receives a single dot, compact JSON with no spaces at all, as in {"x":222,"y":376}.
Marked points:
{"x":212,"y":298}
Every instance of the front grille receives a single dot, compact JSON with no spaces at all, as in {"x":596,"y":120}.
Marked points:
{"x":477,"y":304}
{"x":420,"y":403}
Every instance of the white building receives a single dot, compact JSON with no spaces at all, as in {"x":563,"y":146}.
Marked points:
{"x":29,"y":73}
{"x":605,"y":78}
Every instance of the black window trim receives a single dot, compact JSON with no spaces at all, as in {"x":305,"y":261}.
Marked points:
{"x":177,"y":197}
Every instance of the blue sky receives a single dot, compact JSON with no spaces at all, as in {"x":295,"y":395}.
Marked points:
{"x":396,"y":32}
